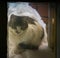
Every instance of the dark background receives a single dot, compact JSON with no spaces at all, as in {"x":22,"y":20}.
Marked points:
{"x":58,"y":30}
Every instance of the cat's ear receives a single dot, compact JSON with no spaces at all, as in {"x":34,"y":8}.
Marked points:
{"x":12,"y":21}
{"x":12,"y":16}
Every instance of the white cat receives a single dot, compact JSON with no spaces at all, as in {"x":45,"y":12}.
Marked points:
{"x":31,"y":35}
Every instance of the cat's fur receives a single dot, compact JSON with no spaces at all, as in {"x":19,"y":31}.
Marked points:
{"x":26,"y":31}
